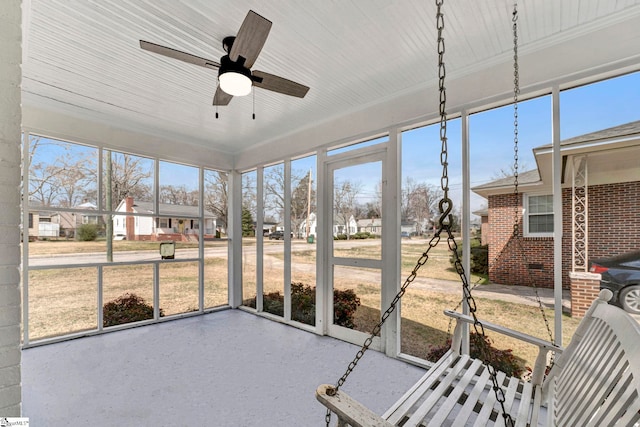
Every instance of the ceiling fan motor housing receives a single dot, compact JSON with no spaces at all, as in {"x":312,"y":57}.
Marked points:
{"x":227,"y":65}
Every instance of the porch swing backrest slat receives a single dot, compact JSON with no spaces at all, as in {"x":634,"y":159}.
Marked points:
{"x":594,"y":382}
{"x":603,"y":361}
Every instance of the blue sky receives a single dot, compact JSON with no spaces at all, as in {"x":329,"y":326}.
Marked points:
{"x":582,"y":110}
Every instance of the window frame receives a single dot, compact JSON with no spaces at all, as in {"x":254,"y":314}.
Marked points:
{"x":526,"y":215}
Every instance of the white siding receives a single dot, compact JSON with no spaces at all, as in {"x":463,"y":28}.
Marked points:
{"x":10,"y":119}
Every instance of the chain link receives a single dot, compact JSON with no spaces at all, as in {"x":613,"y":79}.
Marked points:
{"x":516,"y":93}
{"x":516,"y":214}
{"x":376,"y":329}
{"x":445,"y":207}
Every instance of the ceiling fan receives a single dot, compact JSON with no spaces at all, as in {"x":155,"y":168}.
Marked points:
{"x":235,"y":76}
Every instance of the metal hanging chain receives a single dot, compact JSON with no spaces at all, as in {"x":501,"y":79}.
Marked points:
{"x":445,"y":221}
{"x":377,"y":328}
{"x":516,"y":93}
{"x":516,"y":229}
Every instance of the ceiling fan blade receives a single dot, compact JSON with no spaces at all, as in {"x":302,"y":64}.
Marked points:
{"x":176,"y":54}
{"x":221,"y":97}
{"x":279,"y":84}
{"x":250,"y":38}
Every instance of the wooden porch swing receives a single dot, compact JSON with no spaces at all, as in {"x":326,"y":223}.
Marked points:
{"x":594,"y":381}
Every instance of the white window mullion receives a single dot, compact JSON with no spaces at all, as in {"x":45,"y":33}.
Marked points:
{"x":259,"y":238}
{"x":287,"y":240}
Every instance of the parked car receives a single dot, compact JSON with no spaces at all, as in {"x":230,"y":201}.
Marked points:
{"x":621,"y":275}
{"x":276,"y":235}
{"x":405,"y":235}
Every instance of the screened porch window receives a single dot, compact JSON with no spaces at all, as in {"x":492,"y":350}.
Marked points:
{"x":539,"y":215}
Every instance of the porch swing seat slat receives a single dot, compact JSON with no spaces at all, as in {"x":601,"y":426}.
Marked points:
{"x":595,"y":381}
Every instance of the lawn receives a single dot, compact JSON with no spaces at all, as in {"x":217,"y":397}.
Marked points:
{"x":61,"y":246}
{"x":64,"y":300}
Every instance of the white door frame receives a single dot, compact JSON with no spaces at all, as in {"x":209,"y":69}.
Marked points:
{"x":387,"y":264}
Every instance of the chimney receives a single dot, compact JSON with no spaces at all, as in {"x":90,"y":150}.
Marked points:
{"x":130,"y":222}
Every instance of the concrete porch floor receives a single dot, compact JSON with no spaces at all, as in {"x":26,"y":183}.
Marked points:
{"x":228,"y":368}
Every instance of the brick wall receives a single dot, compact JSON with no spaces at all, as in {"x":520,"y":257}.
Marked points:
{"x":584,"y":290}
{"x":614,"y":228}
{"x":10,"y":120}
{"x":516,"y":261}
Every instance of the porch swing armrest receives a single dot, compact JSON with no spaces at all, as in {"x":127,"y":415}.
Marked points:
{"x":349,"y":411}
{"x":544,"y":347}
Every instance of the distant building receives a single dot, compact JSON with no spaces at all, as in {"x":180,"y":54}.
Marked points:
{"x":600,"y":208}
{"x":177,"y":222}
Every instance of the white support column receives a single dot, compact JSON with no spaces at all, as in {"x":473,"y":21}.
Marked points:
{"x":466,"y":221}
{"x":259,"y":239}
{"x":391,"y":246}
{"x":323,"y":318}
{"x":557,"y":214}
{"x":10,"y":123}
{"x":287,"y":240}
{"x":234,"y":231}
{"x":201,"y":226}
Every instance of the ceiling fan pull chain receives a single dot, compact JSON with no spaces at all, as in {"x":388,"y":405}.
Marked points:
{"x":254,"y":105}
{"x":216,"y":111}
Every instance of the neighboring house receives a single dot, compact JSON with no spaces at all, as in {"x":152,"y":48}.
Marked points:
{"x":413,"y":228}
{"x":50,"y":223}
{"x":268,"y":227}
{"x":484,"y":225}
{"x":311,"y":224}
{"x":41,"y":226}
{"x":34,"y":225}
{"x":351,"y":227}
{"x":370,"y":225}
{"x":600,"y":208}
{"x":338,"y":227}
{"x":177,"y":222}
{"x":70,"y":221}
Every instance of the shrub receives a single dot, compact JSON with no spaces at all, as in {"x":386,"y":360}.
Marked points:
{"x":87,"y":232}
{"x":502,"y":360}
{"x":303,"y":305}
{"x":345,"y":304}
{"x":479,"y":258}
{"x":363,"y":235}
{"x":126,"y":309}
{"x":340,"y":236}
{"x":273,"y":303}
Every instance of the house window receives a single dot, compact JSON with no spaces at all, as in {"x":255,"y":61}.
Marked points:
{"x":163,"y":222}
{"x":30,"y":220}
{"x":539,"y":215}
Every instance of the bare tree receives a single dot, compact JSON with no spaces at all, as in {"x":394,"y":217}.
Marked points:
{"x":509,"y":172}
{"x":130,"y":177}
{"x":303,"y":199}
{"x":345,"y":194}
{"x":273,"y":192}
{"x":66,"y":179}
{"x":274,"y":195}
{"x":216,"y":194}
{"x":374,"y":208}
{"x":178,"y":195}
{"x":249,"y":195}
{"x":419,"y":202}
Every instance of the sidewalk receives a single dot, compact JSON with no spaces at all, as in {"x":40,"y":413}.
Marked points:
{"x":509,"y":293}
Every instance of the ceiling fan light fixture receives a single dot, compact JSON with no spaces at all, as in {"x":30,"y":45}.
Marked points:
{"x":235,"y":84}
{"x":234,"y":78}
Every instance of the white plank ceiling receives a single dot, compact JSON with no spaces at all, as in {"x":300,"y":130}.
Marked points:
{"x":82,"y":57}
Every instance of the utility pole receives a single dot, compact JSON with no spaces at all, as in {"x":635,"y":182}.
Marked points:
{"x":309,"y":204}
{"x":109,"y":203}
